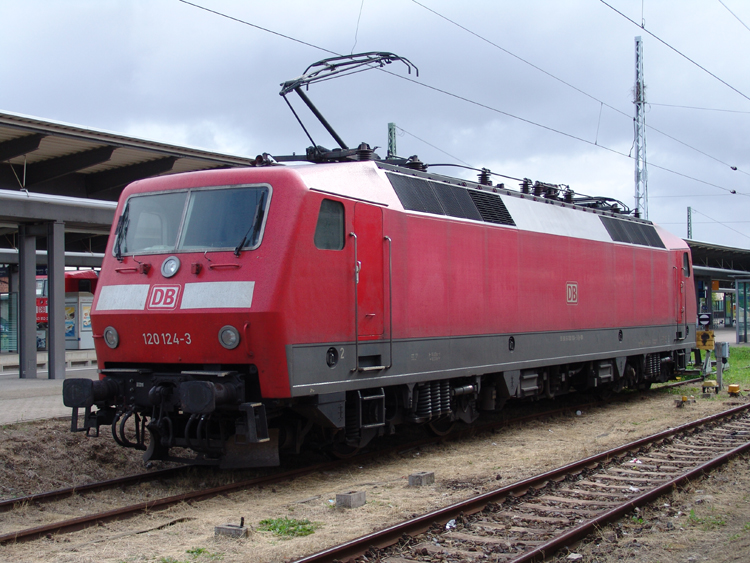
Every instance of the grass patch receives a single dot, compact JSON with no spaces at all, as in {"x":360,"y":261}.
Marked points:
{"x":738,"y":372}
{"x":706,"y":523}
{"x":288,"y":527}
{"x":197,"y":554}
{"x":202,"y":554}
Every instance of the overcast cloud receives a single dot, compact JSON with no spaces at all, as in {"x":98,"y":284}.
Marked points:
{"x":167,"y":71}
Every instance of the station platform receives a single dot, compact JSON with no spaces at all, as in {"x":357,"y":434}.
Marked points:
{"x":41,"y":398}
{"x":728,"y":335}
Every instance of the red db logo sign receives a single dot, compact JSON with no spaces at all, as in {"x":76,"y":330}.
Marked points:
{"x":572,"y":291}
{"x":163,"y":297}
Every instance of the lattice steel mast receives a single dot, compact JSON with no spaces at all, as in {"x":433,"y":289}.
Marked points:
{"x":641,"y":176}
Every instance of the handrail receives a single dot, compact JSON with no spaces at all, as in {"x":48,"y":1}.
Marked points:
{"x":357,"y":267}
{"x":390,"y":302}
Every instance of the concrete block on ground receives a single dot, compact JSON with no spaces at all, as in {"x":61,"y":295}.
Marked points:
{"x":232,"y":531}
{"x":422,"y":478}
{"x":353,"y":499}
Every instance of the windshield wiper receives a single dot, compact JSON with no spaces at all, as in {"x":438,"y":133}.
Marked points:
{"x":254,"y":228}
{"x":122,"y":228}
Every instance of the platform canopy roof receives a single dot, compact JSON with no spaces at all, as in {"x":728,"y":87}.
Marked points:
{"x":47,"y":158}
{"x":719,"y":262}
{"x":51,"y":157}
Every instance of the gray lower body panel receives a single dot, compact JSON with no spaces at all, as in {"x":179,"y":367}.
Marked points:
{"x":417,"y":360}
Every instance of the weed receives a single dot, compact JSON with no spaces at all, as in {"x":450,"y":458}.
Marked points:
{"x":288,"y":527}
{"x":202,"y":554}
{"x":707,"y":522}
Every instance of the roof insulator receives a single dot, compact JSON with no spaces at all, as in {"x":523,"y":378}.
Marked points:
{"x":364,"y":152}
{"x":484,"y":177}
{"x":415,"y":164}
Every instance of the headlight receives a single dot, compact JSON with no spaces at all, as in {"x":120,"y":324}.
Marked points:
{"x":229,"y":337}
{"x":170,"y":266}
{"x":111,"y":337}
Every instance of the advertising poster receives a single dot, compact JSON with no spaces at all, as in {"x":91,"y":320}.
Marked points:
{"x":85,"y":317}
{"x":70,"y":321}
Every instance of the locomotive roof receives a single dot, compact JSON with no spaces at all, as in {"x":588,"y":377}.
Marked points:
{"x":409,"y":190}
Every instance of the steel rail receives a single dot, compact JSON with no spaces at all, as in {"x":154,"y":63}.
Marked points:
{"x":8,"y":504}
{"x":82,"y":522}
{"x":679,"y":383}
{"x":393,"y":534}
{"x":579,"y":532}
{"x":67,"y":526}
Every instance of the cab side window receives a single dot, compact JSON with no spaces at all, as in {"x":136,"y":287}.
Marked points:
{"x":329,"y":232}
{"x":685,"y":264}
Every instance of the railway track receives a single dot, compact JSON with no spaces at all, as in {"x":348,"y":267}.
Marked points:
{"x":532,"y":519}
{"x":72,"y":525}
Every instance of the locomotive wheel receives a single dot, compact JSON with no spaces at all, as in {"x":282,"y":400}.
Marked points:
{"x":341,"y":450}
{"x":441,"y":426}
{"x":605,"y":392}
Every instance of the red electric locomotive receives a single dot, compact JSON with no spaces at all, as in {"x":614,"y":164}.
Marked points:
{"x":242,"y":312}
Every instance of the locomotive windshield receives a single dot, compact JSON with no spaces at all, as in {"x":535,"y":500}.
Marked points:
{"x":193,"y":220}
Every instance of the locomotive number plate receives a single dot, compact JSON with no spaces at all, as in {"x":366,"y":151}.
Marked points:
{"x":166,"y":338}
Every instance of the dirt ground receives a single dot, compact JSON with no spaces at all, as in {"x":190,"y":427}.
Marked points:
{"x":41,"y":456}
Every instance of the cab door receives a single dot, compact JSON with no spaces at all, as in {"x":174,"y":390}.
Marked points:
{"x":368,"y":231}
{"x":683,"y":274}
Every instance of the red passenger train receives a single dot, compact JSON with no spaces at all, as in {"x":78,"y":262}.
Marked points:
{"x":242,"y":312}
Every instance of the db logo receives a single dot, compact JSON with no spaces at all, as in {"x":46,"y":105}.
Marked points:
{"x":572,"y":291}
{"x":164,"y":297}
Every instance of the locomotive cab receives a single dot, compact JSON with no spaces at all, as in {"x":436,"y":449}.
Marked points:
{"x":172,"y":321}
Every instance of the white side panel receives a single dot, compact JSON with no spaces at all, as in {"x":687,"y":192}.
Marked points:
{"x":123,"y":297}
{"x":555,"y":220}
{"x":358,"y":180}
{"x":218,"y":295}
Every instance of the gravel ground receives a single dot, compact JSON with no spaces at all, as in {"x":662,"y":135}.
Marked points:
{"x":41,"y":456}
{"x":709,"y":520}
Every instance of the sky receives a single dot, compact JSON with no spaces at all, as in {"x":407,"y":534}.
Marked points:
{"x":539,"y":89}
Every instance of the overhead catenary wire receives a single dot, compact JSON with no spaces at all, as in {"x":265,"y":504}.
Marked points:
{"x":688,"y":196}
{"x":356,"y":31}
{"x":684,"y":56}
{"x":579,"y":90}
{"x":721,"y":223}
{"x":563,"y":133}
{"x":261,"y":28}
{"x":467,"y":100}
{"x":704,"y":222}
{"x":696,"y":108}
{"x":735,"y":15}
{"x":433,"y":146}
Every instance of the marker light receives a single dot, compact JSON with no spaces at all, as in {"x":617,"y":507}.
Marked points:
{"x":111,"y":337}
{"x":170,"y":266}
{"x":229,"y":337}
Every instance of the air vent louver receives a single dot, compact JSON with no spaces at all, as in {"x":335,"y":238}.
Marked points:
{"x":492,"y":208}
{"x":632,"y":232}
{"x":415,"y":194}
